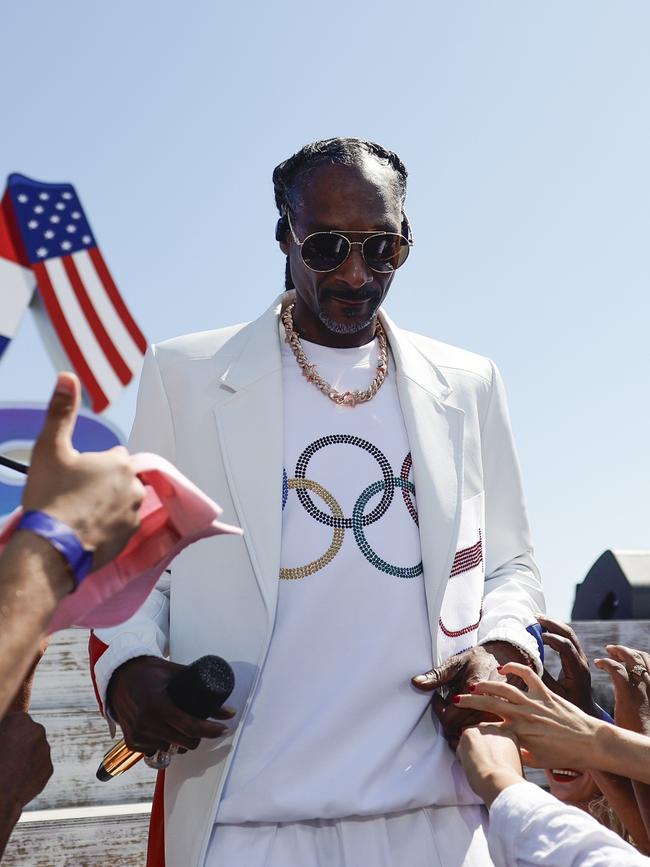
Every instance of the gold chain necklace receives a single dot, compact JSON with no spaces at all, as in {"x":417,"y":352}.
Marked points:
{"x":345,"y":398}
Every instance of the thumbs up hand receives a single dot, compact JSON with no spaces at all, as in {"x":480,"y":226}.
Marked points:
{"x":96,"y":493}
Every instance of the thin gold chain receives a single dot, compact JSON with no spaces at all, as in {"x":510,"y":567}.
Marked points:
{"x":341,"y":398}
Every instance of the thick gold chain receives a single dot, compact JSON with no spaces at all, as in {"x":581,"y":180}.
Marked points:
{"x":341,"y":398}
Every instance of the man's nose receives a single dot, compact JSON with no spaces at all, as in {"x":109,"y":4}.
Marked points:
{"x":355,"y":271}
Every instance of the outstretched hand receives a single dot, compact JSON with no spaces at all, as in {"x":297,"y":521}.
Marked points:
{"x":96,"y":493}
{"x":550,"y":729}
{"x":632,"y":689}
{"x":458,"y":674}
{"x":574,"y":679}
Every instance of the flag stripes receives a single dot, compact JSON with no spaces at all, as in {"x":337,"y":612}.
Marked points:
{"x":90,"y":321}
{"x":73,"y":331}
{"x":117,"y":300}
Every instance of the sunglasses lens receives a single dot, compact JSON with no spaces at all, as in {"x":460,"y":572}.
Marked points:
{"x":324,"y":251}
{"x":386,"y":253}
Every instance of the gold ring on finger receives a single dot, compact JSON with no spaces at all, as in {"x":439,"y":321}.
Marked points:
{"x":638,"y":671}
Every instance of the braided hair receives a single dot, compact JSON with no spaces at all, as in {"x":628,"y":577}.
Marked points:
{"x":291,"y":176}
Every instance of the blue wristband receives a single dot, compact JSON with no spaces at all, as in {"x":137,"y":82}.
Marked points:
{"x":61,"y":537}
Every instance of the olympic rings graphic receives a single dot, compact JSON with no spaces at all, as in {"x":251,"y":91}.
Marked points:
{"x":406,"y":494}
{"x":386,"y":471}
{"x":359,"y":520}
{"x":337,"y":538}
{"x":362,"y":542}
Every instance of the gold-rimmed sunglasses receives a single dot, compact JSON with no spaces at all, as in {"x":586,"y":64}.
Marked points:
{"x":383,"y":252}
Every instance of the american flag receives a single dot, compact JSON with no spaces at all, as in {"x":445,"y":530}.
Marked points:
{"x":92,"y":323}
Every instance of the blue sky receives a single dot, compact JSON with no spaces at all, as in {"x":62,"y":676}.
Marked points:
{"x":526,"y":131}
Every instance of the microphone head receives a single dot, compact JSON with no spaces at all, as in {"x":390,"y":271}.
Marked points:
{"x":203,"y":687}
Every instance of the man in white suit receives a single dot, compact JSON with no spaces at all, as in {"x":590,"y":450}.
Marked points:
{"x":374,"y":475}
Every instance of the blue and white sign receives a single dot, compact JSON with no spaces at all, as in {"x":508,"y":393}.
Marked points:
{"x":20,"y":425}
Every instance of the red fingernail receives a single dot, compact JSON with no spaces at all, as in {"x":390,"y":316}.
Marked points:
{"x":471,"y":687}
{"x":455,"y":699}
{"x":500,"y":667}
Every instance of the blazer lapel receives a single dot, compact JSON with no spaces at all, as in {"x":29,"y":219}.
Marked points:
{"x":435,"y":432}
{"x":250,"y":429}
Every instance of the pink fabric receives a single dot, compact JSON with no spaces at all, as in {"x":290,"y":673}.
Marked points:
{"x":174,"y":514}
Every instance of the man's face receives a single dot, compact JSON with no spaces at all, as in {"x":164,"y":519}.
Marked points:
{"x":337,"y":308}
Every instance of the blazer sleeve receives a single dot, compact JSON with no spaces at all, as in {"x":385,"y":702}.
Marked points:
{"x":146,"y":633}
{"x":513,"y":589}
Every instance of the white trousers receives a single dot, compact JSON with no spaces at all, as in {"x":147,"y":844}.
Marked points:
{"x":428,"y":837}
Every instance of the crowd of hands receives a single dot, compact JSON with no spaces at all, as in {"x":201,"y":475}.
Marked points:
{"x":556,"y":724}
{"x":496,"y":718}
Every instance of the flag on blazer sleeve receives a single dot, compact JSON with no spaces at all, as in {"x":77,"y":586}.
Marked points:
{"x":17,"y":283}
{"x":92,"y":323}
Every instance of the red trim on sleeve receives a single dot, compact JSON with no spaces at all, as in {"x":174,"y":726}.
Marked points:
{"x":156,"y":844}
{"x":96,"y":648}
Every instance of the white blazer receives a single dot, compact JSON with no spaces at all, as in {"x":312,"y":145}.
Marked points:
{"x":212,"y":404}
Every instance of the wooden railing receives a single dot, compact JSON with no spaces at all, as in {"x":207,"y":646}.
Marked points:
{"x":82,"y":822}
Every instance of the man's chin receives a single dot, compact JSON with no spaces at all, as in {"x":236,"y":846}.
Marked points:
{"x":347,"y":326}
{"x":350,"y":319}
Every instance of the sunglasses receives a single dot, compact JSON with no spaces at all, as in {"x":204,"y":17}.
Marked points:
{"x":383,"y":252}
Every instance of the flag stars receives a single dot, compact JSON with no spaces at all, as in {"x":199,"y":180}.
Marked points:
{"x":75,"y":215}
{"x":65,"y":245}
{"x":33,"y":224}
{"x":38,"y":209}
{"x":49,"y":234}
{"x":22,"y":198}
{"x":60,"y":206}
{"x":87,"y":239}
{"x":71,"y":228}
{"x":55,"y":218}
{"x":44,"y":196}
{"x":41,"y":252}
{"x":66,"y":195}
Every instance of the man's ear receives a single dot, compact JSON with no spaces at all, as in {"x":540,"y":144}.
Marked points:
{"x":281,"y":232}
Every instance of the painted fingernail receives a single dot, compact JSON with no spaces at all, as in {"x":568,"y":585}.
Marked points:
{"x":455,"y":699}
{"x":471,"y":687}
{"x":500,"y":667}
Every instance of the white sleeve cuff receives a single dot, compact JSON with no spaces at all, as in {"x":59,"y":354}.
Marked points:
{"x":123,"y":647}
{"x":516,"y":635}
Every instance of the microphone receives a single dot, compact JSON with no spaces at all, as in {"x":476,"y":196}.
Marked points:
{"x":200,"y":690}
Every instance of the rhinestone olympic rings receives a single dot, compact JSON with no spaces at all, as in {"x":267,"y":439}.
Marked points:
{"x":337,"y":538}
{"x":360,"y":536}
{"x":384,"y":465}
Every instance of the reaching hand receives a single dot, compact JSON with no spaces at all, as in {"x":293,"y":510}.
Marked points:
{"x":629,"y":671}
{"x":457,"y":674}
{"x":551,"y":730}
{"x":574,"y":679}
{"x":490,"y":757}
{"x":95,"y":493}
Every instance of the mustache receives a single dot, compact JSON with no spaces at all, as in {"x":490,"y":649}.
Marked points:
{"x":346,"y":295}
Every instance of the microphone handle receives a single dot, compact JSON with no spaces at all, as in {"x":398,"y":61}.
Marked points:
{"x":117,"y":760}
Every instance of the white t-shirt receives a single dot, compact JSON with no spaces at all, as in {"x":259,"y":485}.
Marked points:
{"x":335,"y":728}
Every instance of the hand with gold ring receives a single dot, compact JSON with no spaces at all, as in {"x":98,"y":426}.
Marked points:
{"x":629,"y":671}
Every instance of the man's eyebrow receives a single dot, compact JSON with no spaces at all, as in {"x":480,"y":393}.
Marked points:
{"x":326,"y":227}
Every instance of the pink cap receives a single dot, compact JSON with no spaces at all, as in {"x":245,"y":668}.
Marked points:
{"x":174,"y":514}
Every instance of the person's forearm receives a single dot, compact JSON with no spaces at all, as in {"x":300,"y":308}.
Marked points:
{"x":619,"y":751}
{"x":620,"y":796}
{"x":642,"y":795}
{"x":490,"y":784}
{"x":34,"y":577}
{"x":9,"y":815}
